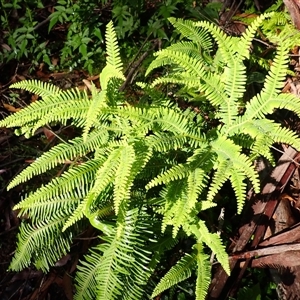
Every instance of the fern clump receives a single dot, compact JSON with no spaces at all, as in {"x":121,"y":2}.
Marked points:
{"x":141,"y":172}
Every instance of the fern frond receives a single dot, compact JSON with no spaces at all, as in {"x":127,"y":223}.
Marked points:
{"x":247,"y":37}
{"x":108,"y":73}
{"x":225,"y":43}
{"x":228,"y":151}
{"x":77,"y":178}
{"x":41,"y":88}
{"x":212,"y":240}
{"x":163,"y":142}
{"x":112,"y":49}
{"x":263,"y":103}
{"x":237,"y":179}
{"x":196,"y":182}
{"x":60,"y":154}
{"x":181,"y":271}
{"x":191,"y":65}
{"x":203,"y":273}
{"x":42,"y":238}
{"x":123,"y":180}
{"x":98,"y":101}
{"x":197,"y":35}
{"x":120,"y":254}
{"x":176,"y":211}
{"x":64,"y":204}
{"x":86,"y":283}
{"x":178,"y":172}
{"x":222,"y":174}
{"x":137,"y":282}
{"x":77,"y":215}
{"x":70,"y":104}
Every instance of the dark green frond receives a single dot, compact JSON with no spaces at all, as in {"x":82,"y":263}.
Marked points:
{"x":197,"y":35}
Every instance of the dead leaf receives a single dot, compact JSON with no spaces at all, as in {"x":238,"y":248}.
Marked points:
{"x":11,"y":108}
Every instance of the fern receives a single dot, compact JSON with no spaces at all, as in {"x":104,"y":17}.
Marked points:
{"x":181,"y":271}
{"x":142,"y":173}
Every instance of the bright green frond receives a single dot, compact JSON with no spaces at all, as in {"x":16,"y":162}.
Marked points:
{"x":230,"y":154}
{"x":109,"y":72}
{"x":41,"y":238}
{"x":247,"y":37}
{"x":121,"y":255}
{"x":64,"y":204}
{"x":177,"y":206}
{"x":203,"y":273}
{"x":237,"y":179}
{"x":225,"y":43}
{"x":180,"y":272}
{"x":41,"y":88}
{"x":86,"y":287}
{"x":123,"y":180}
{"x":112,"y":49}
{"x":188,"y":81}
{"x":104,"y":176}
{"x":191,"y":65}
{"x":64,"y":153}
{"x":163,"y":142}
{"x":77,"y":178}
{"x":71,"y":104}
{"x":98,"y":101}
{"x":213,"y":241}
{"x":178,"y":172}
{"x":221,"y":175}
{"x":77,"y":215}
{"x":196,"y":182}
{"x":214,"y":90}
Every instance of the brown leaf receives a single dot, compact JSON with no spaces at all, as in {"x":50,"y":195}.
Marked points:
{"x":11,"y":108}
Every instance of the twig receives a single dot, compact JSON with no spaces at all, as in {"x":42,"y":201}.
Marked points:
{"x":267,"y":251}
{"x":135,"y":65}
{"x":42,"y":23}
{"x":283,"y":152}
